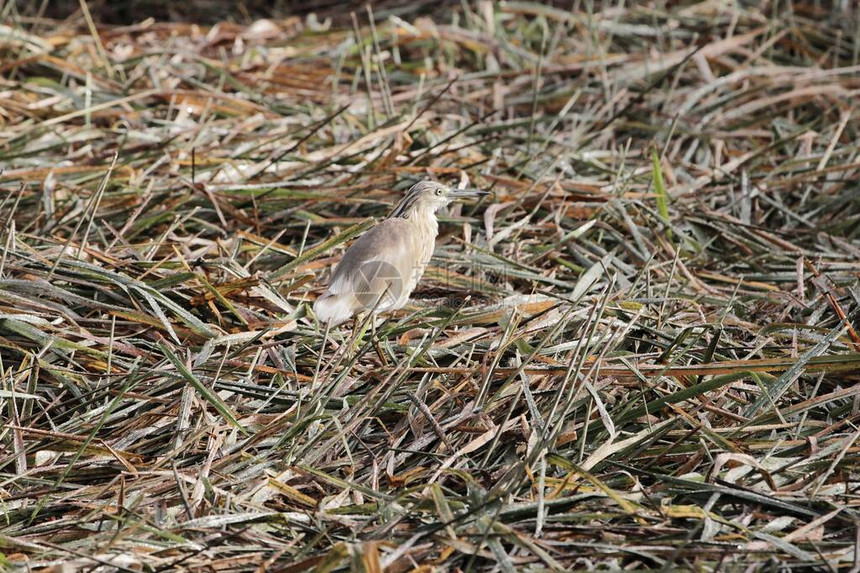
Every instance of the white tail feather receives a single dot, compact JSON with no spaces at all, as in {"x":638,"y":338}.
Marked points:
{"x":333,"y":308}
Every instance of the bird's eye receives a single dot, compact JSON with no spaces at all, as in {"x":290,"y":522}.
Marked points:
{"x":439,"y":191}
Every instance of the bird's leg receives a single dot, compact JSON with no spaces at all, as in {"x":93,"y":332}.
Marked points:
{"x":359,"y":329}
{"x":375,"y":340}
{"x":353,"y":338}
{"x":315,"y":382}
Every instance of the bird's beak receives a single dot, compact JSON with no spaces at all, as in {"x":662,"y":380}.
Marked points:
{"x":465,"y":193}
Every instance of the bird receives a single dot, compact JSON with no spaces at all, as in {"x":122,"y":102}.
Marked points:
{"x":382,"y":267}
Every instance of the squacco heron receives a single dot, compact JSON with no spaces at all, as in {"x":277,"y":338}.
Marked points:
{"x":381,"y":269}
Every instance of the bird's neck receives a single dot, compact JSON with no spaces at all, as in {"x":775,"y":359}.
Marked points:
{"x":425,"y":220}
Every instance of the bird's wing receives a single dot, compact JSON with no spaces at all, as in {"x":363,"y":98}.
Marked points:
{"x":376,"y":272}
{"x":381,"y":261}
{"x":390,"y":242}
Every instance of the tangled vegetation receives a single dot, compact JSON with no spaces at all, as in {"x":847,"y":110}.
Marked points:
{"x":640,"y":351}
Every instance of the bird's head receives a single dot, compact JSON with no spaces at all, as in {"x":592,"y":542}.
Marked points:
{"x":430,"y":196}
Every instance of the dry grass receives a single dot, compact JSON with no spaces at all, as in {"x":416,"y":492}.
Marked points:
{"x":638,"y":354}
